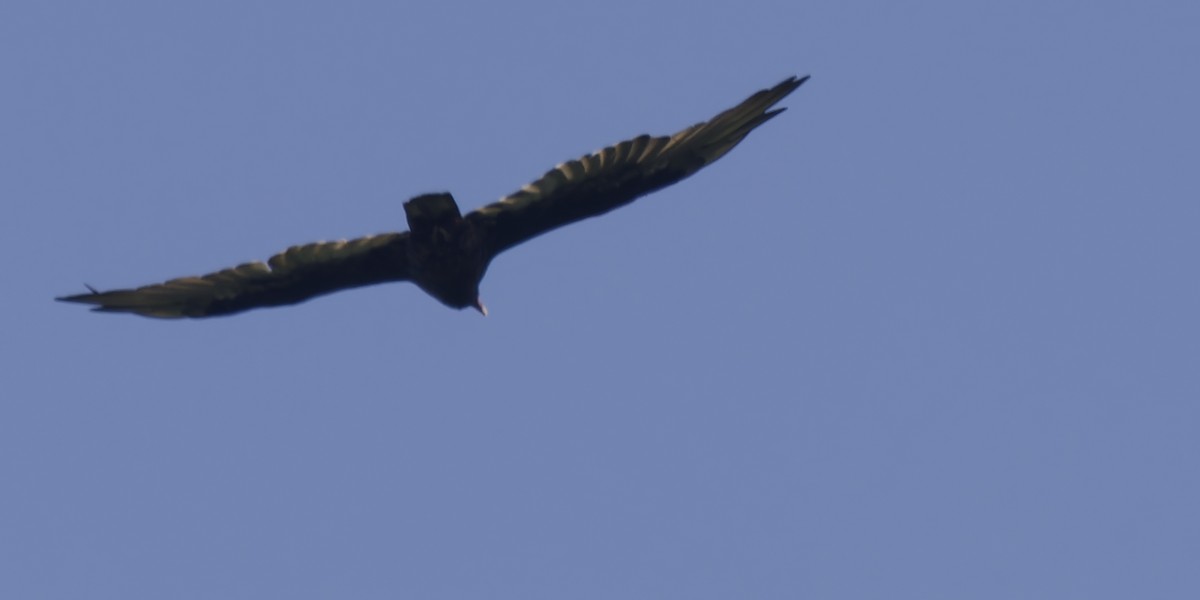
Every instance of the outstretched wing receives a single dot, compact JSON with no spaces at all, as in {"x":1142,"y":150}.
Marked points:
{"x":616,"y":175}
{"x":294,"y":275}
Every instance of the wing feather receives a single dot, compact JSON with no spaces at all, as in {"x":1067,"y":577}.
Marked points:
{"x":294,"y":275}
{"x":617,"y":175}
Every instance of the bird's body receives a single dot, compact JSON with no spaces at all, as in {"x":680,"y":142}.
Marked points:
{"x":444,"y":252}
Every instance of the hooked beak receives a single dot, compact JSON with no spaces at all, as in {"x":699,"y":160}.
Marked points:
{"x":480,"y":307}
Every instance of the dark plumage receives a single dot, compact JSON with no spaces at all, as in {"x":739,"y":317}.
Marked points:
{"x":445,"y":253}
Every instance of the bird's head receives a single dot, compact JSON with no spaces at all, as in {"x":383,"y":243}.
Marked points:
{"x":458,"y":296}
{"x":474,"y":303}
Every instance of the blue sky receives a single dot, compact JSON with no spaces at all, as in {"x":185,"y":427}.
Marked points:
{"x":932,"y":333}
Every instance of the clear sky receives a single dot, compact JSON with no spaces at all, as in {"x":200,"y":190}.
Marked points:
{"x":931,"y":333}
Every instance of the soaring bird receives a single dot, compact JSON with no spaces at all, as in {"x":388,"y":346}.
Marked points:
{"x":443,"y":252}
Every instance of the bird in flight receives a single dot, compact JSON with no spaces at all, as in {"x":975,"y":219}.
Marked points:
{"x":444,"y":252}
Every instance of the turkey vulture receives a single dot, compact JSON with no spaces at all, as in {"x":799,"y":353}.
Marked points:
{"x":445,"y":253}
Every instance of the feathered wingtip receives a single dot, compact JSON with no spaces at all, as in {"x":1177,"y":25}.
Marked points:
{"x":123,"y":301}
{"x":715,"y":138}
{"x":764,"y":99}
{"x":88,"y":298}
{"x":778,"y":92}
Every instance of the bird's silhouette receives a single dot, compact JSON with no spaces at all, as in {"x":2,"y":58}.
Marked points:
{"x":444,"y":252}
